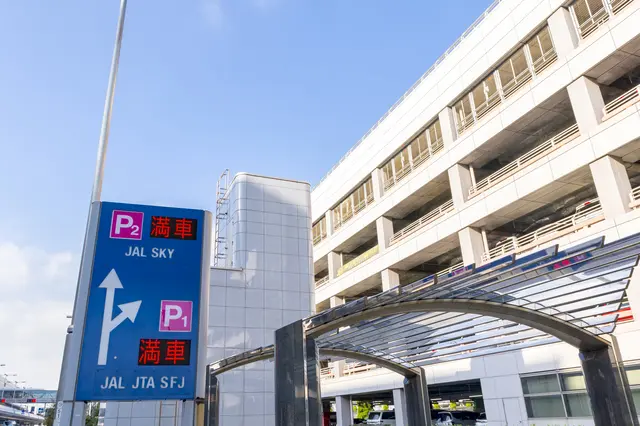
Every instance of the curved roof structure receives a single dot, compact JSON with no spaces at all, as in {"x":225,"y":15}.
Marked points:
{"x":512,"y":303}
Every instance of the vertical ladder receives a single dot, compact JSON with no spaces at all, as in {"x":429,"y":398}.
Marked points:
{"x":222,"y":219}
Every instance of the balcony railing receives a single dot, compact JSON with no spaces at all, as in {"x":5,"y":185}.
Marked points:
{"x":318,"y":238}
{"x":322,"y":281}
{"x":486,"y":107}
{"x":523,"y":161}
{"x":425,"y":155}
{"x":590,"y":213}
{"x":589,"y":15}
{"x":545,"y":60}
{"x":621,"y":103}
{"x":423,"y":221}
{"x":350,"y":368}
{"x":349,"y":214}
{"x":634,"y":195}
{"x":357,"y":367}
{"x":358,"y":260}
{"x":618,"y":5}
{"x":327,"y":373}
{"x":450,"y":269}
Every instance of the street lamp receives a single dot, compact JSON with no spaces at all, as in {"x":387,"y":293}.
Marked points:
{"x":4,"y":382}
{"x":24,"y":386}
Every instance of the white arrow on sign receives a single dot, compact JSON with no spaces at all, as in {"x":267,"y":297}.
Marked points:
{"x":129,"y":310}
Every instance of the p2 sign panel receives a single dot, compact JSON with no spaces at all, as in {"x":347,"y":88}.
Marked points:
{"x":142,"y":326}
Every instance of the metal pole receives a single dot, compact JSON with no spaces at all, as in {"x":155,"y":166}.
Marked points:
{"x":108,"y":107}
{"x":68,"y":372}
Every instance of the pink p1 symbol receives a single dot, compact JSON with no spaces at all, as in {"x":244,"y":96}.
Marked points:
{"x":126,"y":225}
{"x":176,"y":315}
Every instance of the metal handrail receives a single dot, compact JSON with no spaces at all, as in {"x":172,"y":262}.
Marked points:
{"x":594,"y":21}
{"x":549,"y":57}
{"x":516,"y":83}
{"x":318,"y":238}
{"x":573,"y":223}
{"x":450,"y":269}
{"x":634,"y":195}
{"x":436,"y":147}
{"x":621,"y":103}
{"x":489,"y":105}
{"x":322,"y":281}
{"x":526,"y":159}
{"x":358,"y":260}
{"x":357,"y":367}
{"x":416,"y":84}
{"x":618,"y":5}
{"x":424,"y":220}
{"x":354,"y":211}
{"x":327,"y":373}
{"x":465,"y":122}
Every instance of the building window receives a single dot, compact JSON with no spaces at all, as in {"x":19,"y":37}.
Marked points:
{"x":588,"y":15}
{"x":633,"y":374}
{"x":556,"y":395}
{"x":319,"y":230}
{"x":419,"y":149}
{"x":541,"y":50}
{"x":353,"y":204}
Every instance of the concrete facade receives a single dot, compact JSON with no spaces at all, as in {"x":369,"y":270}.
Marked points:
{"x":266,"y":285}
{"x":496,"y":178}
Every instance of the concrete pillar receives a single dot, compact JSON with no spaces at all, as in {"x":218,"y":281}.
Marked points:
{"x":563,"y":32}
{"x":587,"y":103}
{"x":384,"y":228}
{"x":337,"y":366}
{"x":460,"y":181}
{"x":448,"y":127}
{"x":612,"y":185}
{"x":329,"y":222}
{"x":608,"y":388}
{"x":344,"y":412}
{"x":471,"y":245}
{"x":417,"y":400}
{"x":212,"y":399}
{"x":377,"y":183}
{"x":336,"y":301}
{"x":297,"y":378}
{"x":400,"y":407}
{"x":334,"y":261}
{"x":390,"y":279}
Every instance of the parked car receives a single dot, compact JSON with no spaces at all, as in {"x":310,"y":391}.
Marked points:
{"x":457,"y":418}
{"x":386,"y":418}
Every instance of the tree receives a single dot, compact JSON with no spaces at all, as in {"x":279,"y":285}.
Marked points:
{"x":48,"y":416}
{"x":92,"y":417}
{"x":362,"y":409}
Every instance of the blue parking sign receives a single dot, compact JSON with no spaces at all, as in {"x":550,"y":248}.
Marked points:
{"x":141,"y":333}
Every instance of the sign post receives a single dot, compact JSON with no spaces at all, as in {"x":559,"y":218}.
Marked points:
{"x":141,"y":325}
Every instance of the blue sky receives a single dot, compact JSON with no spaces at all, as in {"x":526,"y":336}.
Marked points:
{"x":275,"y":87}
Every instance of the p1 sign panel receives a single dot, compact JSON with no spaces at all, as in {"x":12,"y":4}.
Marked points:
{"x":143,"y":316}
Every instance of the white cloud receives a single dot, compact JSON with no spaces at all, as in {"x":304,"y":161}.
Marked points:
{"x":36,"y":294}
{"x":14,"y":268}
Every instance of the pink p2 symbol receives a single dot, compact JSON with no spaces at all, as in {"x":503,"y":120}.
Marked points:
{"x":176,"y":315}
{"x":126,"y":225}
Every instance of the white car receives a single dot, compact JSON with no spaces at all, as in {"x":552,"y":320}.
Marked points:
{"x":386,"y":418}
{"x":456,"y":418}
